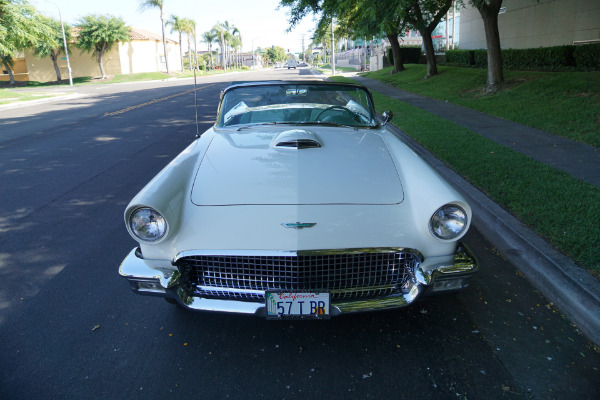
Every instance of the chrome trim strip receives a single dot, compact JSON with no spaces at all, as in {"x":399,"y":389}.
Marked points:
{"x":337,"y":308}
{"x":135,"y":268}
{"x":464,"y":263}
{"x":230,"y":290}
{"x":293,"y":253}
{"x":262,"y":292}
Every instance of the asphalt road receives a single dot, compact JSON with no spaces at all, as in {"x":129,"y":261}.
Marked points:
{"x":70,"y":328}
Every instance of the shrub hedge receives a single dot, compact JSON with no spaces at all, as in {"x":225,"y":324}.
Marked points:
{"x":559,"y":58}
{"x":410,"y":54}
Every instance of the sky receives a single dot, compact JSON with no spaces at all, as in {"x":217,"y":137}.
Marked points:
{"x":259,"y":21}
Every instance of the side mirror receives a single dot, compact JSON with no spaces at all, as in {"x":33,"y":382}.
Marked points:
{"x":387,"y":117}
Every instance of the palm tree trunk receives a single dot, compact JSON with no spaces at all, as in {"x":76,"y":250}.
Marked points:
{"x":189,"y":52}
{"x":162,"y":20}
{"x":195,"y":52}
{"x":181,"y":51}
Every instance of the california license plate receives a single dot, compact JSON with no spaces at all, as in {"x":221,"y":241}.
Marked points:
{"x":297,"y":305}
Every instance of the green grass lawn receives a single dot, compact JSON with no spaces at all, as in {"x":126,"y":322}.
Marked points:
{"x":327,"y":68}
{"x":7,"y":97}
{"x":562,"y":103}
{"x":560,"y":208}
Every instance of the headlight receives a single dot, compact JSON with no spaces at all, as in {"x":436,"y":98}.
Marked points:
{"x":448,"y":222}
{"x":147,"y":224}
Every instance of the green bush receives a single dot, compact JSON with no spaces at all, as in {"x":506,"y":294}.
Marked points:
{"x":460,"y":58}
{"x":480,"y":58}
{"x":410,"y":54}
{"x":587,"y":56}
{"x":557,"y":58}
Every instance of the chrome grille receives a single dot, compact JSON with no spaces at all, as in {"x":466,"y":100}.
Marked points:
{"x":347,"y":276}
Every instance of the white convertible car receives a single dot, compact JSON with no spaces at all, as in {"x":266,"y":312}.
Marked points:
{"x":297,"y":203}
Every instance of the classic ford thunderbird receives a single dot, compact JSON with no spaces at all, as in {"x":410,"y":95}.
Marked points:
{"x":297,"y":203}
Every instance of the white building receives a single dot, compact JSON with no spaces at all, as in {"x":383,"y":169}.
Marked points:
{"x":535,"y":23}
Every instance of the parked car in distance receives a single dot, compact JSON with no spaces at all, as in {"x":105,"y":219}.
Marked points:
{"x":297,"y":203}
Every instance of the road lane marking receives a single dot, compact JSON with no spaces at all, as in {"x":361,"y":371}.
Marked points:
{"x":124,"y":110}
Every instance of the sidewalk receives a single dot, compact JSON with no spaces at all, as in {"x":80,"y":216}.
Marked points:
{"x":573,"y":290}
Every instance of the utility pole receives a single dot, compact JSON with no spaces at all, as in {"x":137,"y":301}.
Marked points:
{"x":447,"y":31}
{"x":453,"y":19}
{"x":64,"y":43}
{"x":332,"y":58}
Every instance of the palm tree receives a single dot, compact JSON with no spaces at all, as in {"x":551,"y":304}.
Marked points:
{"x":177,"y":24}
{"x":237,"y":41}
{"x":192,"y":27}
{"x":209,"y":38}
{"x":189,"y":25}
{"x":222,"y":31}
{"x":147,"y":4}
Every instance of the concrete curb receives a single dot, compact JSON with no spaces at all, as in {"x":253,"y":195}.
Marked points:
{"x":17,"y":104}
{"x":573,"y":290}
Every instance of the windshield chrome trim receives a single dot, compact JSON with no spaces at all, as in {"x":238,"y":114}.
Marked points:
{"x":299,"y":83}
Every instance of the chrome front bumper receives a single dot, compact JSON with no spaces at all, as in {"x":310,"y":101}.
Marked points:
{"x":435,"y":275}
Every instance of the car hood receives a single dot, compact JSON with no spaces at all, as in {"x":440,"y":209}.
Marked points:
{"x":296,"y":166}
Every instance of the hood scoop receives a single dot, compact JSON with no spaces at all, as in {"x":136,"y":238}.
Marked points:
{"x":297,"y":139}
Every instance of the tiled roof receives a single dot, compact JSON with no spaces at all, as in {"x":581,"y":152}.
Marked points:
{"x":141,"y":34}
{"x":134,"y":34}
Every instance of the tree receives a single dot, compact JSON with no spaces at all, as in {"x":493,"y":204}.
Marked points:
{"x":236,"y":42}
{"x":177,"y":24}
{"x":376,"y":18}
{"x":356,"y":18}
{"x":209,"y":38}
{"x":489,"y":13}
{"x":222,"y":32}
{"x":424,"y":16}
{"x":99,"y":33}
{"x":276,"y":53}
{"x":53,"y":46}
{"x":189,"y":26}
{"x":322,"y":36}
{"x":147,"y":4}
{"x":21,"y":27}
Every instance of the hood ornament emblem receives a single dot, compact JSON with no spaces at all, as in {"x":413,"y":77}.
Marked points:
{"x":298,"y":225}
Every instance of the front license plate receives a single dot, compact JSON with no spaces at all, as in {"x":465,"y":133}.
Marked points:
{"x":297,"y":305}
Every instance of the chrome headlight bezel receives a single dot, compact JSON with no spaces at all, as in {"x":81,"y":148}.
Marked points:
{"x":147,"y":224}
{"x":449,"y":222}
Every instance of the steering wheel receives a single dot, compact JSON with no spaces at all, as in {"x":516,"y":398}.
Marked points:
{"x":333,"y":108}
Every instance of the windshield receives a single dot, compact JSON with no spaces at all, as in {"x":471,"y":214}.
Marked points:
{"x":297,"y":104}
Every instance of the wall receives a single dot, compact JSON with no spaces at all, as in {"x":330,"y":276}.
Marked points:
{"x":82,"y":64}
{"x":144,"y":56}
{"x":126,"y":58}
{"x":535,"y":23}
{"x":19,"y":71}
